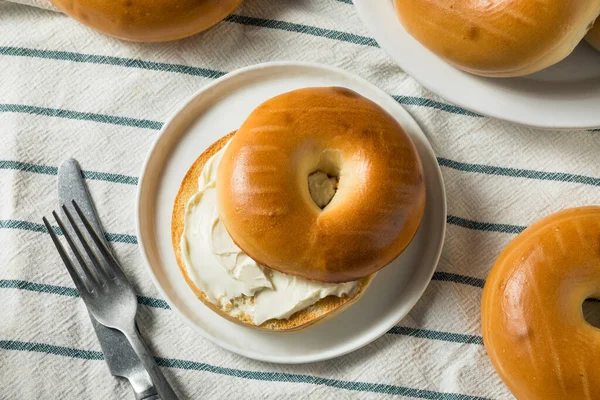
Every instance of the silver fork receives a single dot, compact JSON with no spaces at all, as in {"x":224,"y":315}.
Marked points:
{"x":107,"y":293}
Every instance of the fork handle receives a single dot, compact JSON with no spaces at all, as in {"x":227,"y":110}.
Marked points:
{"x":164,"y":389}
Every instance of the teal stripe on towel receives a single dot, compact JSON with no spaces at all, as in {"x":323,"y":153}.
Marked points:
{"x":519,"y":173}
{"x":423,"y":102}
{"x":301,"y":28}
{"x":49,"y":170}
{"x":33,"y":227}
{"x":356,"y":386}
{"x":484,"y":226}
{"x":109,"y":60}
{"x":70,"y":291}
{"x":462,"y":279}
{"x":437,"y":335}
{"x":84,"y":116}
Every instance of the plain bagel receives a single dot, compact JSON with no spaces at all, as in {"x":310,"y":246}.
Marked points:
{"x":499,"y":38}
{"x":532,"y":320}
{"x":263,"y":195}
{"x":148,"y":20}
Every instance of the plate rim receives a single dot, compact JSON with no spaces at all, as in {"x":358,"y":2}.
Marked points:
{"x":384,"y":43}
{"x":322,"y":356}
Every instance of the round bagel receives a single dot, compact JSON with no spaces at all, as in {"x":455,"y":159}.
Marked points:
{"x":263,"y":194}
{"x":532,"y":320}
{"x":593,"y":36}
{"x":322,"y":310}
{"x":148,"y":20}
{"x":499,"y":38}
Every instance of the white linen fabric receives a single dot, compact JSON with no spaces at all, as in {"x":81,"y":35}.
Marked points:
{"x":67,"y":90}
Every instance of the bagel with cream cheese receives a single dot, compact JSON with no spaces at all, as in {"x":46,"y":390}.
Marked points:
{"x":327,"y":146}
{"x":531,"y":313}
{"x":148,"y":20}
{"x":499,"y":38}
{"x":320,"y":311}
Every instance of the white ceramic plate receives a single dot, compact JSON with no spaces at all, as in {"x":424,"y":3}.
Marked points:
{"x":220,"y":108}
{"x":566,"y":95}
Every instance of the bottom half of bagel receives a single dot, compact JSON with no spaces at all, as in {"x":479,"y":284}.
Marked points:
{"x":320,"y":311}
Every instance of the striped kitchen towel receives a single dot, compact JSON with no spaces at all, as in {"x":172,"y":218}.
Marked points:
{"x":68,"y":90}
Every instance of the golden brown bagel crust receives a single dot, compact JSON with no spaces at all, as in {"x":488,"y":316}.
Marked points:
{"x":148,"y":20}
{"x":320,"y":311}
{"x":532,"y":321}
{"x":499,"y":37}
{"x":263,"y":195}
{"x":593,"y":36}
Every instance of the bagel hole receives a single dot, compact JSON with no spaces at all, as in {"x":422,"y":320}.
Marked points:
{"x":324,"y":178}
{"x":322,"y":187}
{"x":591,"y":312}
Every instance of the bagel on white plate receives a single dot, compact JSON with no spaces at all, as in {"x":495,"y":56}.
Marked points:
{"x":285,"y":222}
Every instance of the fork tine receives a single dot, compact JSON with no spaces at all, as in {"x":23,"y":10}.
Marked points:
{"x":93,"y":282}
{"x":105,"y":251}
{"x":66,"y":260}
{"x":100,"y":273}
